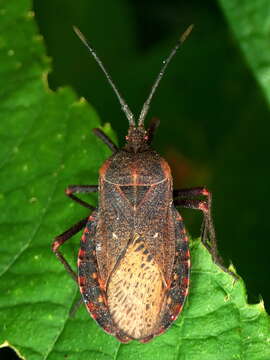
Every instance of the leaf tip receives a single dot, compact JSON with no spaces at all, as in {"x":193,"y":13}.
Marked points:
{"x":260,"y":305}
{"x":30,"y":14}
{"x":80,"y":101}
{"x":45,"y":81}
{"x":232,"y":268}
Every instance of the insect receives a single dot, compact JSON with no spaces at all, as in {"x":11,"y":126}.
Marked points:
{"x":134,"y":260}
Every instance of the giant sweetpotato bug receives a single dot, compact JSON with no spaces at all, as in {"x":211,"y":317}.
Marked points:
{"x":134,"y":260}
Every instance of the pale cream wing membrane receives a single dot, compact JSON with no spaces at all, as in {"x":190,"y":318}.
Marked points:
{"x":136,"y":292}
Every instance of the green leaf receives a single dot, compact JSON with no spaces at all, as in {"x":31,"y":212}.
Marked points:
{"x":250,"y":22}
{"x":46,"y":144}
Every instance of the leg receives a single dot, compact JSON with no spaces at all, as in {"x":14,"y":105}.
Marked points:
{"x":81,"y":189}
{"x":154,"y":123}
{"x":75,"y":307}
{"x":188,"y":193}
{"x":208,"y":231}
{"x":105,"y":139}
{"x":61,"y":239}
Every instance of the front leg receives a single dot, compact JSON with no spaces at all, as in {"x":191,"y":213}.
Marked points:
{"x":71,"y":189}
{"x":105,"y":139}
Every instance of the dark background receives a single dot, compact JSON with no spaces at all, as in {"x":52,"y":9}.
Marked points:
{"x":214,"y":118}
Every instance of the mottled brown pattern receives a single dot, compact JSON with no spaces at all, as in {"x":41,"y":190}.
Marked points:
{"x":135,"y":292}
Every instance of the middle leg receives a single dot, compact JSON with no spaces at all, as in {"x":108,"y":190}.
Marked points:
{"x":185,"y":198}
{"x":61,"y":239}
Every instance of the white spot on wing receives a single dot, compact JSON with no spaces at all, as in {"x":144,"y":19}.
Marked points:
{"x":156,"y":235}
{"x":98,"y":247}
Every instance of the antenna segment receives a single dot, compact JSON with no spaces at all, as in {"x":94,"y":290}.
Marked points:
{"x":146,"y":105}
{"x":124,"y":105}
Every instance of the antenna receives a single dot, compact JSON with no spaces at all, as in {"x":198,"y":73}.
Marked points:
{"x":146,"y":105}
{"x":124,"y":105}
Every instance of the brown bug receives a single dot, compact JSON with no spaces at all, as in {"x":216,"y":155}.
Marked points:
{"x":134,"y":260}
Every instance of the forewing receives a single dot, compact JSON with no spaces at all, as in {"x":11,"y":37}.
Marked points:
{"x":114,"y":229}
{"x":155,"y":222}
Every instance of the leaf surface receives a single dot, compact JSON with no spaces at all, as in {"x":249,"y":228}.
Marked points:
{"x":250,"y":23}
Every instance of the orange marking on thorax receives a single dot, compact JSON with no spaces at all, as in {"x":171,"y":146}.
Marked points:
{"x":134,"y":177}
{"x":166,"y":169}
{"x":104,"y":167}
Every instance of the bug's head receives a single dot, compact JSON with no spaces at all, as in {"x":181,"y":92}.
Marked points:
{"x":137,"y":139}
